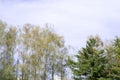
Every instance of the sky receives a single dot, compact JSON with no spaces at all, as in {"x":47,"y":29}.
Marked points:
{"x":73,"y":19}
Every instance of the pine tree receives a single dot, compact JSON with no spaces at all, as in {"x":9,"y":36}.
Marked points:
{"x":90,"y":61}
{"x":114,"y":60}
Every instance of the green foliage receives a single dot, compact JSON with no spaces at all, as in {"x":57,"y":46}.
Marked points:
{"x":42,"y":54}
{"x":90,"y":62}
{"x":97,"y":62}
{"x":114,"y":59}
{"x":38,"y":49}
{"x":41,"y":49}
{"x":7,"y":47}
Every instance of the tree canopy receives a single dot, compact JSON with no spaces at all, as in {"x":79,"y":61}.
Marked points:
{"x":32,"y":52}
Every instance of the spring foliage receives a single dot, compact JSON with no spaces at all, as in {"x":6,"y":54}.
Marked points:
{"x":38,"y":53}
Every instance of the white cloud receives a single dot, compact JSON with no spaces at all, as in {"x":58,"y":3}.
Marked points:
{"x":74,"y":19}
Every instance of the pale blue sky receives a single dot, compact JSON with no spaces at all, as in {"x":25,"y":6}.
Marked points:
{"x":73,"y":19}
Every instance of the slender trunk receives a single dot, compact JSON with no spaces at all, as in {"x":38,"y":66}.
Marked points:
{"x":23,"y":71}
{"x":53,"y":71}
{"x":17,"y":69}
{"x":22,"y":74}
{"x":45,"y":72}
{"x":45,"y":66}
{"x":61,"y":70}
{"x":61,"y":74}
{"x":35,"y":74}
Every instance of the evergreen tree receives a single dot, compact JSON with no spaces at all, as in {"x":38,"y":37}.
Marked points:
{"x":114,"y":60}
{"x":90,"y":61}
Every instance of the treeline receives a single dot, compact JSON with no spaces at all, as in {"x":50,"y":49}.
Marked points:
{"x":32,"y":52}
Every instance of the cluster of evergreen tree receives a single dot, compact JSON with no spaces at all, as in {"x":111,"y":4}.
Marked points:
{"x":97,"y":61}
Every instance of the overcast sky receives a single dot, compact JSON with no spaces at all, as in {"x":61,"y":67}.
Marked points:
{"x":73,"y":19}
